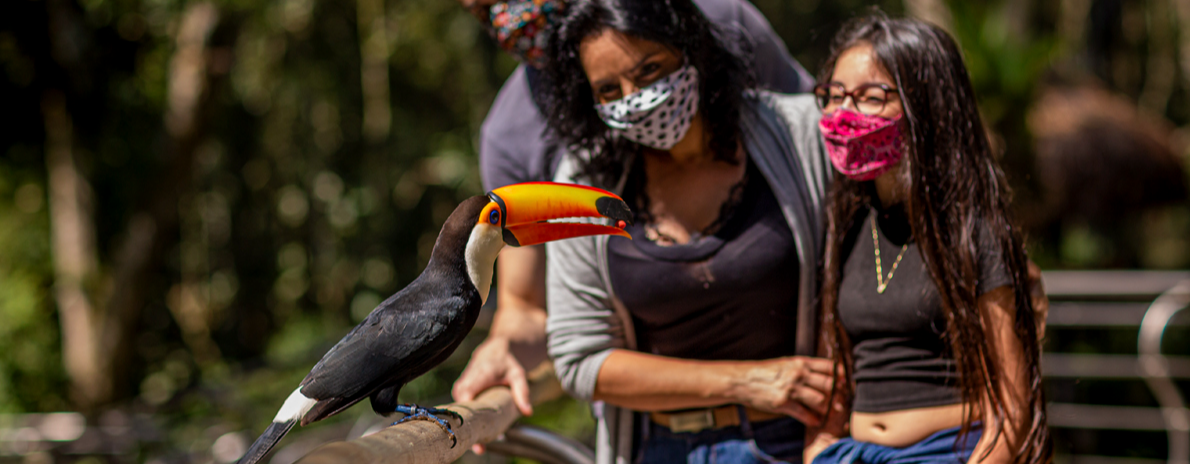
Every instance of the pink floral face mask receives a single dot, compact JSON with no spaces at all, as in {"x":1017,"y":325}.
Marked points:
{"x":862,"y":147}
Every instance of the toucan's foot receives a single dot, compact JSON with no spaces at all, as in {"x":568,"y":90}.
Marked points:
{"x":414,"y":412}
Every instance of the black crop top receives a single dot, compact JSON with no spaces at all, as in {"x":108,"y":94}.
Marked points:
{"x":901,"y":359}
{"x":728,"y":296}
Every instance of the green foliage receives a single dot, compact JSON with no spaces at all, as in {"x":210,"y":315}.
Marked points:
{"x":1004,"y":65}
{"x":294,"y":221}
{"x":808,"y":26}
{"x":30,"y":371}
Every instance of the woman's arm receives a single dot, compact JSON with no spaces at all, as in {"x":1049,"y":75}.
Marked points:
{"x":589,"y":342}
{"x":999,"y":313}
{"x":795,"y":386}
{"x":1041,"y":301}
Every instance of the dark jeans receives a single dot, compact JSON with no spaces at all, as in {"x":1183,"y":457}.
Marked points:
{"x":774,"y":441}
{"x":940,"y":447}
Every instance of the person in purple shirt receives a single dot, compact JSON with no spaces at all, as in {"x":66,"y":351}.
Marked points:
{"x":516,"y":147}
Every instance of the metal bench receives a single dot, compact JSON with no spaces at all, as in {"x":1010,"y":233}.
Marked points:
{"x":1145,"y":300}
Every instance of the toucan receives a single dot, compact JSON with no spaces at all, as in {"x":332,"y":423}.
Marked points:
{"x":421,"y":325}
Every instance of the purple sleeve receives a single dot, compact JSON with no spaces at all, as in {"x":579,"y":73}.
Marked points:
{"x":513,"y":145}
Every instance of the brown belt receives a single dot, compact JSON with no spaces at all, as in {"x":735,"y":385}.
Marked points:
{"x":693,"y":421}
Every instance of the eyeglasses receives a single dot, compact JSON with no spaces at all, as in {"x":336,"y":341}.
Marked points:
{"x":868,"y":99}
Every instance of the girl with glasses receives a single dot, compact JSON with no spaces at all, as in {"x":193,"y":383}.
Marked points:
{"x":924,"y":296}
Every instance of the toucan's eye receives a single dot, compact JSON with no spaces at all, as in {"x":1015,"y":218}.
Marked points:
{"x":494,"y":217}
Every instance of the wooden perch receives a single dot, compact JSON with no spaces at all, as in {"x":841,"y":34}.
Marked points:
{"x":484,"y":420}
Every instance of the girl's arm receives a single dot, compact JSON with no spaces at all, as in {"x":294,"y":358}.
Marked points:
{"x":999,"y":313}
{"x":795,"y":386}
{"x":835,"y":426}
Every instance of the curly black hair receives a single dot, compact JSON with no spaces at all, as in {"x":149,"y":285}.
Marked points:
{"x":678,"y":24}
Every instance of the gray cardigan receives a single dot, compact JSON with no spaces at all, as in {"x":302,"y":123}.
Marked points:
{"x":587,"y":321}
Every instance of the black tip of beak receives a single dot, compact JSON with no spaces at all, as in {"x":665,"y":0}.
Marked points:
{"x":614,"y":208}
{"x":510,"y":238}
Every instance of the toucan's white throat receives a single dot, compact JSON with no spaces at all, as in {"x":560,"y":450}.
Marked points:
{"x":482,"y":248}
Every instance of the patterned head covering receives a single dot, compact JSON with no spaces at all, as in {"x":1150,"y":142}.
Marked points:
{"x":521,"y":27}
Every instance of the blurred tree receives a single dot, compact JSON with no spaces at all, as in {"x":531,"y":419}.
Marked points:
{"x":197,"y":227}
{"x":807,"y":26}
{"x":97,"y":319}
{"x":211,"y":192}
{"x":204,"y":218}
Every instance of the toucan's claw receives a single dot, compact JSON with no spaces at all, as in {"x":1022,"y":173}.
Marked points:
{"x":415,"y":412}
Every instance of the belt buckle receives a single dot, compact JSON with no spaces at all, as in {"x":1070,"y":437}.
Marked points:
{"x":692,"y":422}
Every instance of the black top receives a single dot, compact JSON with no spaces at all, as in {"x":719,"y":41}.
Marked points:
{"x":727,"y":296}
{"x":901,"y":359}
{"x":515,"y":147}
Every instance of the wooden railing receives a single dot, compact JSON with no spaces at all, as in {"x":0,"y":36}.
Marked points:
{"x":485,"y":420}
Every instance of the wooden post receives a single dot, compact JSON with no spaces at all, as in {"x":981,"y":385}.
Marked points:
{"x":484,"y":420}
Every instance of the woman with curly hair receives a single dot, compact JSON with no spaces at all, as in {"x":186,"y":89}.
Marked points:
{"x":684,"y":336}
{"x":924,"y":296}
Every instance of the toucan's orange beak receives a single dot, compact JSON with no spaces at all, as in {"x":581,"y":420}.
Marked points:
{"x":538,"y":212}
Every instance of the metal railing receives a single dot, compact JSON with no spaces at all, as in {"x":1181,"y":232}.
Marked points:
{"x":1158,"y":371}
{"x":1113,"y":300}
{"x":541,"y":445}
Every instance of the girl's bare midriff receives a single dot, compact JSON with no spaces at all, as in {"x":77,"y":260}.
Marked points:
{"x":902,"y":428}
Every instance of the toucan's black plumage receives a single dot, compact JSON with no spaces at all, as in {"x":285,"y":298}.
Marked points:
{"x":407,"y":335}
{"x":418,"y":327}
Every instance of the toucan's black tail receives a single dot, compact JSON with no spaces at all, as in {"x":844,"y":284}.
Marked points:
{"x":265,"y":443}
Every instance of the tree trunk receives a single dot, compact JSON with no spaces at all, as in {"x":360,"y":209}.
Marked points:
{"x":932,"y":11}
{"x":152,"y":230}
{"x":97,"y":321}
{"x":73,"y":239}
{"x":374,"y":52}
{"x":1182,"y":27}
{"x":1161,"y":69}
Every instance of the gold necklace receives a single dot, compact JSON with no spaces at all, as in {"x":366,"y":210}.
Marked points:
{"x":881,"y":283}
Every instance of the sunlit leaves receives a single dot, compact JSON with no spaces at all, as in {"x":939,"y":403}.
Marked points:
{"x":1004,"y":65}
{"x":30,"y":367}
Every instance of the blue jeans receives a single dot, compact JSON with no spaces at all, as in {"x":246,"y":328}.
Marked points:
{"x":940,"y":447}
{"x":774,"y":441}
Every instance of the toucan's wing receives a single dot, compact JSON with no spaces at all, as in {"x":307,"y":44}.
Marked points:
{"x":390,"y":346}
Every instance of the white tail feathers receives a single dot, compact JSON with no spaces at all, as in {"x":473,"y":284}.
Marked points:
{"x":295,"y":407}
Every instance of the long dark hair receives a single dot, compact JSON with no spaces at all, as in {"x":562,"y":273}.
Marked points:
{"x":956,"y":189}
{"x":678,"y":24}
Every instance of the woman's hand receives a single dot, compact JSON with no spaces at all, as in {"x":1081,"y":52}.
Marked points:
{"x":795,"y":386}
{"x":493,"y":364}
